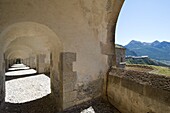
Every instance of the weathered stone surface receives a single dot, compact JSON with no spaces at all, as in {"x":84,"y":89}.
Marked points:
{"x":120,"y":56}
{"x":67,"y":59}
{"x":41,"y":65}
{"x":92,"y":89}
{"x":2,"y":89}
{"x":159,"y":95}
{"x":134,"y":92}
{"x":70,"y":96}
{"x":69,"y":104}
{"x":156,"y":81}
{"x":64,"y":31}
{"x":107,"y":49}
{"x":70,"y":77}
{"x":132,"y":85}
{"x":67,"y":87}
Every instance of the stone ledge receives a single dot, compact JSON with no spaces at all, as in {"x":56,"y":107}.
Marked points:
{"x":143,"y":88}
{"x":132,"y":85}
{"x":154,"y":80}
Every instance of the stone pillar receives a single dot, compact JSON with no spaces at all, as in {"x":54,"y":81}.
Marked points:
{"x":11,"y":62}
{"x":41,"y":63}
{"x":2,"y":83}
{"x":69,"y":78}
{"x":22,"y":61}
{"x":32,"y":62}
{"x":6,"y":64}
{"x":27,"y":61}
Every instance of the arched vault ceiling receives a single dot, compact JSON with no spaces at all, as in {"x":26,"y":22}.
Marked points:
{"x":18,"y":54}
{"x":35,"y":44}
{"x":32,"y":31}
{"x":12,"y":48}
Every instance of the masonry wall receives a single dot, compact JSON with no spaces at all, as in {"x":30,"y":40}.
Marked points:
{"x":120,"y":57}
{"x":139,"y":92}
{"x":81,"y":32}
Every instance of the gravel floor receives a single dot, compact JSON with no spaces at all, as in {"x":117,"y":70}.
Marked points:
{"x":99,"y":105}
{"x":47,"y":105}
{"x":27,"y":89}
{"x":31,"y":94}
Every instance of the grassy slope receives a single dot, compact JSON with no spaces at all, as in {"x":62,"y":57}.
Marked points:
{"x":161,"y":70}
{"x":150,"y":68}
{"x":146,"y":61}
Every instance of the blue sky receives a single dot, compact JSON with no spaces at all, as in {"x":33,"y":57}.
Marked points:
{"x":143,"y":20}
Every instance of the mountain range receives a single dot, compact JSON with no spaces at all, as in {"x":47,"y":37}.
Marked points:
{"x":145,"y":61}
{"x":155,"y":50}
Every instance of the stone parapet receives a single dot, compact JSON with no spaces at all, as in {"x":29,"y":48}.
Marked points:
{"x":138,"y":92}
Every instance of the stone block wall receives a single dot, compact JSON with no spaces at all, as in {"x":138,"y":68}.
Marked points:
{"x":138,"y":92}
{"x":2,"y":84}
{"x":33,"y":62}
{"x":82,"y":27}
{"x":69,"y":79}
{"x":43,"y":63}
{"x":75,"y":93}
{"x":120,"y":57}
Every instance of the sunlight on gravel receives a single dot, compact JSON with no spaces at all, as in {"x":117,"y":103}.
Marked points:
{"x":21,"y":72}
{"x":27,"y":89}
{"x":17,"y":67}
{"x":88,"y":110}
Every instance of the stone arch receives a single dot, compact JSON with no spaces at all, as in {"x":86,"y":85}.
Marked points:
{"x":17,"y":47}
{"x":86,"y":29}
{"x":29,"y":29}
{"x":39,"y":39}
{"x":17,"y":54}
{"x":16,"y":51}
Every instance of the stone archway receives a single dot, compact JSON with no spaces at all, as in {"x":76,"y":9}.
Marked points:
{"x":23,"y":53}
{"x":37,"y":39}
{"x":81,"y":52}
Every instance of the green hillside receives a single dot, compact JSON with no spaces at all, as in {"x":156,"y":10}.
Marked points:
{"x":161,"y":70}
{"x":130,"y":53}
{"x":144,"y":60}
{"x":149,"y":68}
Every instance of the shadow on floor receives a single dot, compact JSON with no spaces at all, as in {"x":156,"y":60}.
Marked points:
{"x":43,"y":105}
{"x":99,"y":105}
{"x":47,"y":105}
{"x":16,"y":70}
{"x":7,"y":78}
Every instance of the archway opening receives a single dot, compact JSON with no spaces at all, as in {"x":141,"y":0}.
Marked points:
{"x":30,"y":51}
{"x":144,"y":31}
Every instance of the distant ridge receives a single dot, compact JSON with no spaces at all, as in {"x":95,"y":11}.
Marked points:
{"x":155,"y":50}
